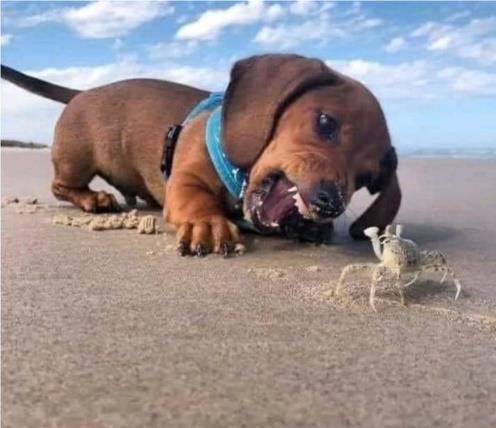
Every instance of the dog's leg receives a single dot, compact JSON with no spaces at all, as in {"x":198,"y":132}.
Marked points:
{"x":195,"y":198}
{"x":130,"y":200}
{"x":86,"y":199}
{"x":151,"y":203}
{"x":200,"y":224}
{"x":71,"y":184}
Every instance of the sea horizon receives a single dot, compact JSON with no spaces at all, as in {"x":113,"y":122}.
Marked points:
{"x":454,"y":153}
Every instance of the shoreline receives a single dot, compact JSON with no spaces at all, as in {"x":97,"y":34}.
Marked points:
{"x":461,"y":155}
{"x":12,"y":148}
{"x":5,"y":143}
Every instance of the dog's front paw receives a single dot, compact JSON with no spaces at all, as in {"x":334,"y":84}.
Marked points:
{"x":102,"y":202}
{"x":213,"y":234}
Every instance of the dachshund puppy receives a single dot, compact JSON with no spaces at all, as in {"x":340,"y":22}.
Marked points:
{"x":305,"y":136}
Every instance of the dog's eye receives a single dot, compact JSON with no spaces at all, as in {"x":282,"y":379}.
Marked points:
{"x":326,"y":126}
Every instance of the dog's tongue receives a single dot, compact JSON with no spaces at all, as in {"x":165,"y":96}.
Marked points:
{"x":279,"y":202}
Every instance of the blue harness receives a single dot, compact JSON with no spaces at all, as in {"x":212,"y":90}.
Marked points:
{"x":232,"y":177}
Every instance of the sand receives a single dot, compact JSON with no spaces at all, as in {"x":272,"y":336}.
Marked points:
{"x":113,"y":329}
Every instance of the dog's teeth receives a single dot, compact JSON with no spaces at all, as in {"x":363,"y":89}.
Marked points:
{"x":293,"y":189}
{"x":302,"y":207}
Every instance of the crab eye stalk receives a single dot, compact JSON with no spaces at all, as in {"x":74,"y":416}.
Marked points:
{"x":326,"y":127}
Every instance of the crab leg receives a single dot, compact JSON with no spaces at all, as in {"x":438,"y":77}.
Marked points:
{"x":445,"y":274}
{"x":377,"y":275}
{"x":399,"y":287}
{"x":447,"y":271}
{"x":415,"y":277}
{"x":372,"y":296}
{"x":352,"y":268}
{"x":457,"y":283}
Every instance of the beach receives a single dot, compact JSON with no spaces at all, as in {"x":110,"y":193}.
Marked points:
{"x":114,"y":329}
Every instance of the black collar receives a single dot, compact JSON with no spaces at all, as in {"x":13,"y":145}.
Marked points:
{"x":169,"y":147}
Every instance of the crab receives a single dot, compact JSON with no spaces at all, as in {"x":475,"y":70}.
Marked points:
{"x":398,"y":256}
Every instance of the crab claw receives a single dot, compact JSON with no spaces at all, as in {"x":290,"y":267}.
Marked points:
{"x":371,"y":232}
{"x":389,"y":230}
{"x":399,"y":230}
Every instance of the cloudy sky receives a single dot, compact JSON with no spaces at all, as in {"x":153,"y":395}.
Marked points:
{"x":431,"y":64}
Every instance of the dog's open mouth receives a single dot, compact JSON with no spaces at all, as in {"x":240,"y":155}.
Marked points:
{"x":276,"y":200}
{"x":277,"y":207}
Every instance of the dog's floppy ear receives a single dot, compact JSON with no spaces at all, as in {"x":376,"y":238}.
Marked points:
{"x":259,"y":90}
{"x":388,"y":165}
{"x":384,"y":209}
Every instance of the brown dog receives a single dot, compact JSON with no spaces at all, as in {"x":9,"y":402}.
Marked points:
{"x":307,"y":136}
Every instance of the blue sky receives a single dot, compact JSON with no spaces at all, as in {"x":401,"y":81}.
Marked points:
{"x":431,"y":64}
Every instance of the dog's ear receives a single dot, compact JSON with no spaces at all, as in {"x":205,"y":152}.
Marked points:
{"x":384,"y":209}
{"x":259,"y":90}
{"x":388,"y":166}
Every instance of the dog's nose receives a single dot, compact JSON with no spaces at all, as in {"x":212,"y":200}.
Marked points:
{"x":327,"y":199}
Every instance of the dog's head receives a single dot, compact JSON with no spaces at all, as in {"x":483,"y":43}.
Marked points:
{"x":309,"y":137}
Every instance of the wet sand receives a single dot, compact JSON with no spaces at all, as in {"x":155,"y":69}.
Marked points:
{"x":113,"y":329}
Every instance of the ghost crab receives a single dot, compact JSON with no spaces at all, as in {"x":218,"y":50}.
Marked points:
{"x":398,"y":256}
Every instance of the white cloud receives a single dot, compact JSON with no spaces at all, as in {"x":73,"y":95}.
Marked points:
{"x":395,"y":45}
{"x":102,"y":19}
{"x":175,"y":49}
{"x":417,"y":79}
{"x":211,"y":23}
{"x":440,"y":43}
{"x":303,"y":7}
{"x":470,"y":81}
{"x":286,"y":36}
{"x":31,"y":118}
{"x":388,"y":80}
{"x":483,"y":51}
{"x":365,"y":24}
{"x":5,"y":39}
{"x":309,"y":7}
{"x":474,"y":40}
{"x":354,"y":9}
{"x":458,"y":15}
{"x":321,"y":29}
{"x":118,"y":44}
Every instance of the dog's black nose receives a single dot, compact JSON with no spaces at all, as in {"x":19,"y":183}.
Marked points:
{"x":327,"y":199}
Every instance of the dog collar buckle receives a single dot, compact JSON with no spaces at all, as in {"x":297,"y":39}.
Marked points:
{"x":169,"y":147}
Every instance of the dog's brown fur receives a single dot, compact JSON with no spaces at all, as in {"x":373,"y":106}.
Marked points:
{"x":117,"y":132}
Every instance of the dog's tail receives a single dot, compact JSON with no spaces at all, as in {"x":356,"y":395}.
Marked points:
{"x":39,"y":87}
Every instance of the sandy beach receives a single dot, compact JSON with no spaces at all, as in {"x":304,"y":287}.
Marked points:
{"x":113,"y":329}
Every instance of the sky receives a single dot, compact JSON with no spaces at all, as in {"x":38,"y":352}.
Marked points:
{"x":432,"y":65}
